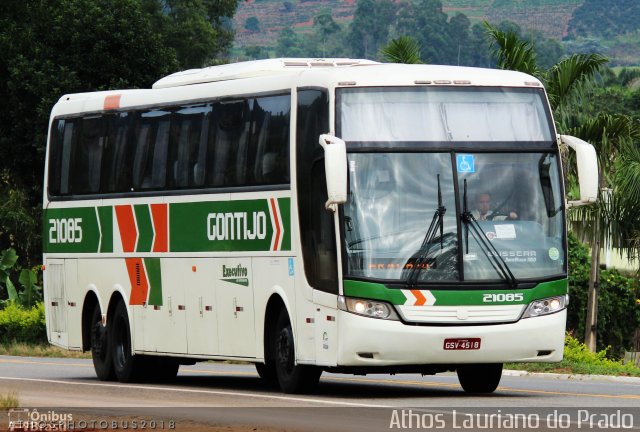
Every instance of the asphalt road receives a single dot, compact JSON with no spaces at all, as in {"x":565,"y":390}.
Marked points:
{"x":218,"y":396}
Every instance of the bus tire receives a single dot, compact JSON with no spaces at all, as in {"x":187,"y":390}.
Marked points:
{"x":480,"y":378}
{"x":100,"y":347}
{"x":127,"y":367}
{"x":291,"y":377}
{"x":267,"y":372}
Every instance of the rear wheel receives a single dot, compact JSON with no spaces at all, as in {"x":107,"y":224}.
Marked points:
{"x":267,"y":371}
{"x":292,"y":378}
{"x":127,"y":367}
{"x":100,"y":347}
{"x":480,"y":378}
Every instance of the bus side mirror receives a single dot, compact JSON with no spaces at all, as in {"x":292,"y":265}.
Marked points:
{"x":587,"y":163}
{"x":335,"y":166}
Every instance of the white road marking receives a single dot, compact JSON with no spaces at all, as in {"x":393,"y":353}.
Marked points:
{"x":211,"y":392}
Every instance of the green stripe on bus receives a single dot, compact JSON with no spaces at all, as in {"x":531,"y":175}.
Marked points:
{"x":476,"y":297}
{"x":105,"y":214}
{"x":214,"y":226}
{"x":145,"y":227}
{"x":224,"y":226}
{"x":375,"y":291}
{"x":285,"y":213}
{"x":152,"y":265}
{"x":453,"y":297}
{"x":71,"y":230}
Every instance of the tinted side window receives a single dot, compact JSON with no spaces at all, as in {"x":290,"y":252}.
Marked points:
{"x":55,"y":157}
{"x":86,"y":162}
{"x":317,"y":230}
{"x":230,"y":134}
{"x":64,"y":139}
{"x":271,"y":138}
{"x":118,"y":155}
{"x":151,"y":136}
{"x":190,"y":136}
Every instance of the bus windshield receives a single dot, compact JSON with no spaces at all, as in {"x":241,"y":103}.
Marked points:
{"x":514,"y":201}
{"x":423,"y":114}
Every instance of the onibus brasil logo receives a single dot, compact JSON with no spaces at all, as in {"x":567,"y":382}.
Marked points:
{"x":238,"y":275}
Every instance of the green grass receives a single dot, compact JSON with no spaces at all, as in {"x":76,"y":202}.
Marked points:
{"x":38,"y":350}
{"x":9,"y":400}
{"x":579,"y":360}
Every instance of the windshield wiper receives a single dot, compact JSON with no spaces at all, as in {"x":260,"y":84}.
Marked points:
{"x":436,"y":222}
{"x":496,"y":260}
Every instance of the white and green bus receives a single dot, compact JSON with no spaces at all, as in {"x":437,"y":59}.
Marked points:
{"x":310,"y":215}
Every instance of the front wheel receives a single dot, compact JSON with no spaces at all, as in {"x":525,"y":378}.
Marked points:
{"x":100,"y":347}
{"x":291,"y":377}
{"x":480,"y":378}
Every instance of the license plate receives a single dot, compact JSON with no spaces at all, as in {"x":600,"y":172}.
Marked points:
{"x":462,"y":344}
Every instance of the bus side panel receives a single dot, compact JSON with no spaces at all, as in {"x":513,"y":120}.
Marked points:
{"x":273,"y":276}
{"x":55,"y":289}
{"x":75,"y":299}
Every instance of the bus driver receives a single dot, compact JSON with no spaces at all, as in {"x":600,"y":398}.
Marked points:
{"x":483,"y":210}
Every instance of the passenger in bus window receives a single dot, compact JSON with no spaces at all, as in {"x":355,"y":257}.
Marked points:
{"x":483,"y":209}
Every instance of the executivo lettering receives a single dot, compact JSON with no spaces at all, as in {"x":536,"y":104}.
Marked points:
{"x":237,"y":271}
{"x":236,"y":275}
{"x":237,"y":226}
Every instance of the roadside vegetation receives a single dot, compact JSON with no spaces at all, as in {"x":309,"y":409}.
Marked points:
{"x":579,"y":360}
{"x":9,"y":400}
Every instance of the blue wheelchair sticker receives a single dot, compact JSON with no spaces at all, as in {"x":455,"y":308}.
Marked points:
{"x":291,"y":271}
{"x":466,"y":163}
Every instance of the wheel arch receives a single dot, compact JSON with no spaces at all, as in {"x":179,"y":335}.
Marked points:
{"x":116,"y":296}
{"x":275,"y":305}
{"x":91,"y":299}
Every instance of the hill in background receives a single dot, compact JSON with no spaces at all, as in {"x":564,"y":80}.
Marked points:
{"x":611,"y":27}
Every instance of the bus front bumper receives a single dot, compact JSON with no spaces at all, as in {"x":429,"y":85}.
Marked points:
{"x":366,"y":341}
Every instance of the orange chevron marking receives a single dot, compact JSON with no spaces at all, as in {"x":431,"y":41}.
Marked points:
{"x":160,"y":227}
{"x":275,"y":218}
{"x":138,"y":279}
{"x":127,"y":226}
{"x":420,"y":298}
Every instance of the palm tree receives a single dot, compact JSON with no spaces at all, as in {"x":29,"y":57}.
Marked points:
{"x":402,"y":50}
{"x":614,"y":137}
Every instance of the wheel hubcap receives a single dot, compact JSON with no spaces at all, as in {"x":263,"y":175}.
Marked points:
{"x":285,"y":351}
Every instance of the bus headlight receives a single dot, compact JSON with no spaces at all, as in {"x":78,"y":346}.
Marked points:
{"x":546,"y":306}
{"x":368,"y":308}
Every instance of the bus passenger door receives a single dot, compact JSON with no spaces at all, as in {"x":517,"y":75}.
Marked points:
{"x":234,"y":295}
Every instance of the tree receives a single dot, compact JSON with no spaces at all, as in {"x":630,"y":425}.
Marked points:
{"x":50,"y":48}
{"x":289,"y":44}
{"x":252,"y":24}
{"x":198,"y":30}
{"x":614,"y":136}
{"x":402,"y":50}
{"x":327,"y":38}
{"x":369,"y":30}
{"x":426,"y":20}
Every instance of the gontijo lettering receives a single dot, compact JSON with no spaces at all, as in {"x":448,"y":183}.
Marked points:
{"x":237,"y":226}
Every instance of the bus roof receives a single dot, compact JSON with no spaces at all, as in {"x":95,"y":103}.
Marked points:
{"x":263,"y":76}
{"x":339,"y":69}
